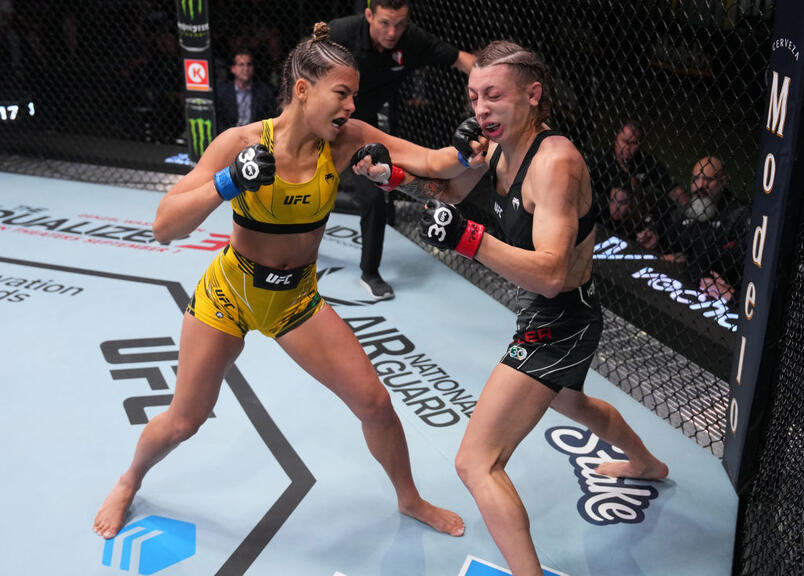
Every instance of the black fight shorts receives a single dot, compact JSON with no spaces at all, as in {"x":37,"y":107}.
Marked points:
{"x":556,"y":338}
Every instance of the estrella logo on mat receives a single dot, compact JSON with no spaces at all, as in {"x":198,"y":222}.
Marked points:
{"x":606,"y":500}
{"x":150,"y":545}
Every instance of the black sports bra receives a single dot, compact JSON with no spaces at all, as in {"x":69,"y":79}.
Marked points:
{"x":515,"y":222}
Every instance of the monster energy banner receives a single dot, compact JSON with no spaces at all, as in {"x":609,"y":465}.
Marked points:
{"x":774,"y":219}
{"x":193,"y":17}
{"x":198,"y":66}
{"x":200,"y":113}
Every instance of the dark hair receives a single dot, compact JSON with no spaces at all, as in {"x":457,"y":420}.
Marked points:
{"x":241,"y":51}
{"x":526,"y":65}
{"x":635,"y":127}
{"x":389,"y":4}
{"x":311,"y":59}
{"x":634,"y":199}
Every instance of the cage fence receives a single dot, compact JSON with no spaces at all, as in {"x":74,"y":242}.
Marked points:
{"x":93,"y":91}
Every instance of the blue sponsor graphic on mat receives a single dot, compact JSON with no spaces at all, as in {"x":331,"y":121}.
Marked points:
{"x":154,"y":543}
{"x":477,"y":567}
{"x":606,"y":500}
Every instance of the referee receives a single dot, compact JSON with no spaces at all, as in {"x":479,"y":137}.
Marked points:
{"x":388,"y":47}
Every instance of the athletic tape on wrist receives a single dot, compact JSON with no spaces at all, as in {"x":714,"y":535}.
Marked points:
{"x":463,"y":160}
{"x":470,"y":239}
{"x":397,"y":175}
{"x":224,"y":185}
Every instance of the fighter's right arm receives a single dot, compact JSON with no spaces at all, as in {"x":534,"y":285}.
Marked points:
{"x":374,"y":162}
{"x":187,"y":204}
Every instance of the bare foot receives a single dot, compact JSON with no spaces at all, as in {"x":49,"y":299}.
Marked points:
{"x":112,"y":512}
{"x":653,"y":470}
{"x":438,"y":518}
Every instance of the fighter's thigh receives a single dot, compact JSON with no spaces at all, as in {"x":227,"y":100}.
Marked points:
{"x":510,"y":405}
{"x":327,"y":349}
{"x":205,"y":355}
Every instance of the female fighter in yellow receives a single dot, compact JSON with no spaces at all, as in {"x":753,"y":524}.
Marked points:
{"x":281,"y":176}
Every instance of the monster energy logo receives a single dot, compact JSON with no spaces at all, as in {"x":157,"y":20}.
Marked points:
{"x":189,"y":7}
{"x":201,"y":134}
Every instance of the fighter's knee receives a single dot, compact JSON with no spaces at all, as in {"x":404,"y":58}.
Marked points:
{"x":186,"y":427}
{"x":469,"y":468}
{"x":375,"y":407}
{"x":462,"y":468}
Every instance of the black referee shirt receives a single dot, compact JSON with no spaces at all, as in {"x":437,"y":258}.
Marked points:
{"x":381,"y":73}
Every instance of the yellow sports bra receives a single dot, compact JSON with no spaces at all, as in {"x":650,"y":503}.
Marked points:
{"x":289,"y":207}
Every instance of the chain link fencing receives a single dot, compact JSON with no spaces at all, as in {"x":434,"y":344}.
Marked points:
{"x":686,"y":80}
{"x":100,"y":85}
{"x":770,"y":537}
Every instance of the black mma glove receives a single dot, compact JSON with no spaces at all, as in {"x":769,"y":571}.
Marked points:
{"x":467,"y":131}
{"x":380,"y":157}
{"x":254,"y":167}
{"x":442,"y":225}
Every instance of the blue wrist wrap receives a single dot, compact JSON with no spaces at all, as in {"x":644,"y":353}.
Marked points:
{"x":224,"y":185}
{"x":463,"y":160}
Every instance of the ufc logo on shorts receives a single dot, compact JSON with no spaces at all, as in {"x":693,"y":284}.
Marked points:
{"x":276,"y":279}
{"x":249,"y":169}
{"x":443,"y":217}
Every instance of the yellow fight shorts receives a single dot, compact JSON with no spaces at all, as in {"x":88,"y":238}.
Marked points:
{"x":236,"y":295}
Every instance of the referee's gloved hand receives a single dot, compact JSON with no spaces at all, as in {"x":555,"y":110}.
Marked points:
{"x":442,"y":225}
{"x":467,"y":131}
{"x":252,"y":168}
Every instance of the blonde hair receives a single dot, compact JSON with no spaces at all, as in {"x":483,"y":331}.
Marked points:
{"x":527,"y":66}
{"x":311,"y":59}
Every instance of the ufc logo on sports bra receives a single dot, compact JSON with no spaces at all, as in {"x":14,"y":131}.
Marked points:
{"x":300,"y":199}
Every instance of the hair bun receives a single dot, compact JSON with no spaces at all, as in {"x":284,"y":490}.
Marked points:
{"x":320,"y":32}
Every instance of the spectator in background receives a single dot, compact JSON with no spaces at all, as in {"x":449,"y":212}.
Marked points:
{"x":259,"y":36}
{"x":624,"y":217}
{"x":388,"y":47}
{"x":708,"y":233}
{"x":10,"y":43}
{"x":243,"y":100}
{"x":268,"y":52}
{"x":627,"y":163}
{"x":163,"y":79}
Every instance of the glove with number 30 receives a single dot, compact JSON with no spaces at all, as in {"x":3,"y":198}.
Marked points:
{"x":443,"y":226}
{"x":252,"y":168}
